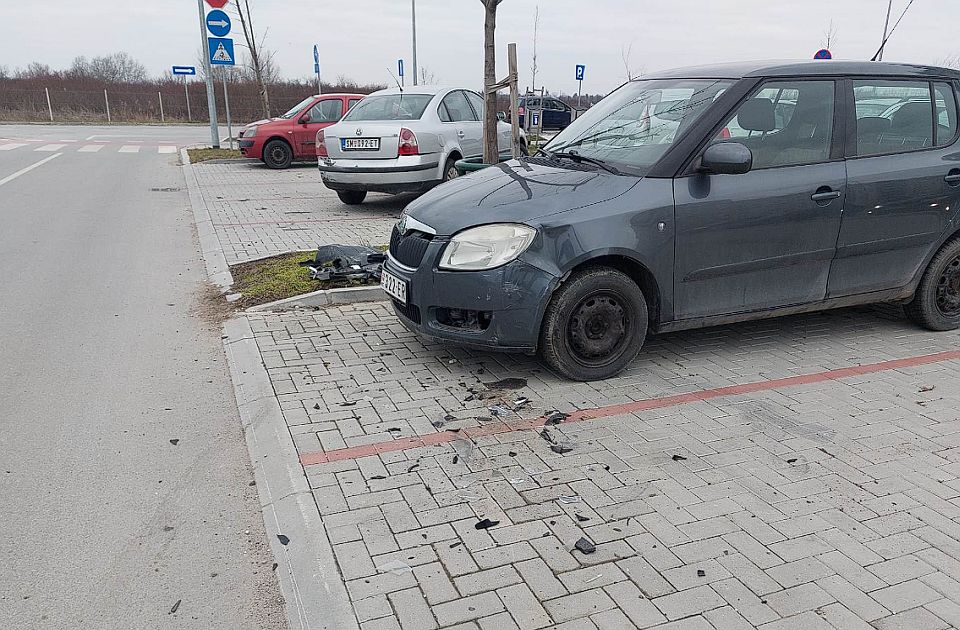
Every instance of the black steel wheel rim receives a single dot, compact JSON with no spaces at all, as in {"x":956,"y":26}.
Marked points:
{"x":598,"y":328}
{"x":278,"y":154}
{"x":948,"y":289}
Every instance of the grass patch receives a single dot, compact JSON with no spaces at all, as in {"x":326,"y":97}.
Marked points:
{"x":277,"y":278}
{"x":202,"y":155}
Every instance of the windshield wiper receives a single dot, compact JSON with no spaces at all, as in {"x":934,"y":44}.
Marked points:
{"x":576,"y":157}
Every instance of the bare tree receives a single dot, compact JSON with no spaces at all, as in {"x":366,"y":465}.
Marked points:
{"x":34,"y":70}
{"x":491,"y":151}
{"x":257,"y":60}
{"x":829,"y":36}
{"x":4,"y":72}
{"x":428,"y":76}
{"x":533,"y":69}
{"x":950,"y":61}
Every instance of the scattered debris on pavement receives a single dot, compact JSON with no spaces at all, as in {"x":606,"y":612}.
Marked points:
{"x":486,"y":524}
{"x":354,"y":263}
{"x":284,"y":540}
{"x":584,"y":546}
{"x":555,"y":417}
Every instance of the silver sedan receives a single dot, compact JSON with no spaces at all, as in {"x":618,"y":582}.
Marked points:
{"x":403,"y":140}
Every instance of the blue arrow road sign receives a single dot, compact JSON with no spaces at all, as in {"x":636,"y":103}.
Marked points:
{"x":221,"y":51}
{"x":218,"y":23}
{"x":316,"y":54}
{"x":400,"y":66}
{"x":184,"y":70}
{"x":580,"y":70}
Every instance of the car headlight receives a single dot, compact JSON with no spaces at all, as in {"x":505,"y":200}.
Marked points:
{"x":249,"y":132}
{"x":486,"y":247}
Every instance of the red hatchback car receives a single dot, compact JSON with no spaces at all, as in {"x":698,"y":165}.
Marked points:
{"x":277,"y":142}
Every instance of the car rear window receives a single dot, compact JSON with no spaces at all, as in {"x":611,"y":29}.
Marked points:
{"x":390,"y":107}
{"x":905,"y":124}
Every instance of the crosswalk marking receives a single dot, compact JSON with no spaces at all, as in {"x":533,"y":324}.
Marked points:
{"x":12,"y":146}
{"x":90,"y":148}
{"x":130,"y":148}
{"x":50,"y":147}
{"x":166,"y":149}
{"x":7,"y":144}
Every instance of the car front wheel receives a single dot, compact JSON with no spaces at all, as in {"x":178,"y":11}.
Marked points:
{"x":352,"y":197}
{"x":936,"y":304}
{"x":595,"y":325}
{"x":277,"y":154}
{"x":450,"y":170}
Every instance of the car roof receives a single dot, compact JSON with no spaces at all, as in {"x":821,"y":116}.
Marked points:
{"x":751,"y":69}
{"x":338,"y":94}
{"x":423,"y":89}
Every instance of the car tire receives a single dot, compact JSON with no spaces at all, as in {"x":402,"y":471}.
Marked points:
{"x":524,"y":150}
{"x":594,"y":325}
{"x":936,"y":304}
{"x":450,"y":170}
{"x":352,"y":197}
{"x":277,"y":154}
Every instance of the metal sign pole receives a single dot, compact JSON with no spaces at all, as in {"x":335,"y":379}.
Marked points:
{"x":160,"y":97}
{"x":106,"y":99}
{"x":211,"y":95}
{"x":579,"y":92}
{"x":49,"y":106}
{"x":226,"y":105}
{"x":186,"y":97}
{"x":413,"y":6}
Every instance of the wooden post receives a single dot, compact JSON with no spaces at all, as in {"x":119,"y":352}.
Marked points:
{"x":49,"y":106}
{"x":106,"y":100}
{"x":491,"y":151}
{"x":514,"y":99}
{"x":162,"y":117}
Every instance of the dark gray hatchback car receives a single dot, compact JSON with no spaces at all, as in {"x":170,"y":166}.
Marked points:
{"x":691,"y":198}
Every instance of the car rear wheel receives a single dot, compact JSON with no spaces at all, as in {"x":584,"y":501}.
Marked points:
{"x":277,"y":154}
{"x":595,"y":325}
{"x":936,"y":304}
{"x":450,"y":169}
{"x":352,"y":197}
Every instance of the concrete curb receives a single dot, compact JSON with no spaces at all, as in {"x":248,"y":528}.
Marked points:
{"x":218,"y":271}
{"x":313,"y":588}
{"x":327,"y":297}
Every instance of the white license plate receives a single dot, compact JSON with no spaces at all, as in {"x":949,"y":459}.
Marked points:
{"x":393,"y":286}
{"x":360,"y":144}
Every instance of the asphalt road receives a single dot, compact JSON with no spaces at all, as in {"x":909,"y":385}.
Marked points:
{"x":124,"y":477}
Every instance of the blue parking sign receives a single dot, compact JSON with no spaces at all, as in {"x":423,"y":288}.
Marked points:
{"x":580,"y":70}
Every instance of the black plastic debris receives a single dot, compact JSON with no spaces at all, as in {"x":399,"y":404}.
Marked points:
{"x":679,"y":458}
{"x":175,"y":441}
{"x":345,"y":262}
{"x":584,"y":546}
{"x":284,"y":540}
{"x":377,"y":477}
{"x":701,"y":573}
{"x":545,"y":434}
{"x":556,"y":417}
{"x":176,"y":606}
{"x":394,"y":430}
{"x":512,"y":453}
{"x":520,"y":403}
{"x":456,"y":459}
{"x":792,"y":460}
{"x":561,"y":448}
{"x":507,"y":383}
{"x":498,"y":411}
{"x":413,"y":467}
{"x":485,"y":524}
{"x":274,"y":567}
{"x":582,"y":518}
{"x":454,"y":545}
{"x":316,"y":406}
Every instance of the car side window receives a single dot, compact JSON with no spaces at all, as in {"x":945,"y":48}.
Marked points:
{"x":946,"y":113}
{"x":329,"y":110}
{"x":785,"y":123}
{"x":893,"y":116}
{"x":477,"y":103}
{"x":352,"y":102}
{"x":456,"y":107}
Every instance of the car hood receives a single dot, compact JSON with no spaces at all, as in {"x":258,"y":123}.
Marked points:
{"x":514,"y":192}
{"x":265,"y":121}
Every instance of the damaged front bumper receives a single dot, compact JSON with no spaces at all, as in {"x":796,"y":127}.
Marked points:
{"x":499,"y":309}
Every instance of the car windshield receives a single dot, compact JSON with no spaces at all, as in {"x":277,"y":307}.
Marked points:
{"x":390,"y":107}
{"x":634,"y":126}
{"x":299,"y":107}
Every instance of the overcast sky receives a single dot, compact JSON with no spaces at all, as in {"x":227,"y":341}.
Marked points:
{"x":362,"y":38}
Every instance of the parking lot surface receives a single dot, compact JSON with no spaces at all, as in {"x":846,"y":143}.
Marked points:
{"x":258,"y":212}
{"x":792,"y":473}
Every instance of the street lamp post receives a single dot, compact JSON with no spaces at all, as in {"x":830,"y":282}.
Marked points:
{"x":413,"y":8}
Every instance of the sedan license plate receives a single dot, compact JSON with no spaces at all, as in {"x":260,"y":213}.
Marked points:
{"x":360,"y":144}
{"x":394,"y":286}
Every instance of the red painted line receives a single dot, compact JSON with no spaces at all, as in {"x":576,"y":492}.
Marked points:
{"x":662,"y":402}
{"x":292,"y":221}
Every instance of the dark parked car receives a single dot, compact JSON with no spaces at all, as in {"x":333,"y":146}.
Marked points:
{"x":555,"y":113}
{"x":773,"y":193}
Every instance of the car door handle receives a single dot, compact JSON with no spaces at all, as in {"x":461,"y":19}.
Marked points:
{"x":825,"y":195}
{"x":460,"y":134}
{"x":953,"y":177}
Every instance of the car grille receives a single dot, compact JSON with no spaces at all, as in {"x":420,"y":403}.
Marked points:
{"x":409,"y":311}
{"x":408,"y":250}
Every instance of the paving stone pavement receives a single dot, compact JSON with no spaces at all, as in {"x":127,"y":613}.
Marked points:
{"x":828,"y":505}
{"x":258,"y":212}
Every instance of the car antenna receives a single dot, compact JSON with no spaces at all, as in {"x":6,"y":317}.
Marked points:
{"x":395,"y":80}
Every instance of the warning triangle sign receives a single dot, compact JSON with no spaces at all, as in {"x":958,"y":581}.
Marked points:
{"x":221,"y":54}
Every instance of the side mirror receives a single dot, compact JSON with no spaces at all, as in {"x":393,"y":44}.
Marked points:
{"x":303,"y":120}
{"x":726,"y":158}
